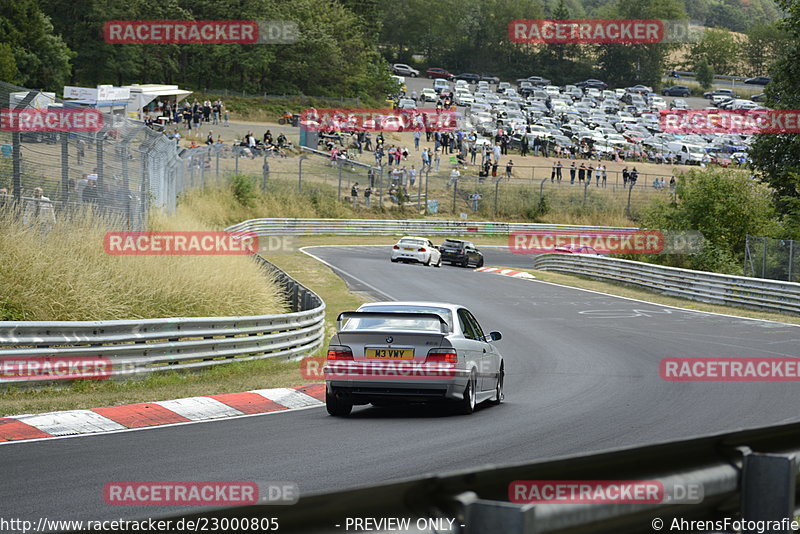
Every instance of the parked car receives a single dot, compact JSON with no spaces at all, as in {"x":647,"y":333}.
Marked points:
{"x":468,"y":77}
{"x":489,"y":78}
{"x":436,"y":73}
{"x":676,"y":90}
{"x":719,"y":92}
{"x":389,"y":353}
{"x":641,"y":89}
{"x":417,"y":250}
{"x":758,"y":80}
{"x":440,"y":84}
{"x":462,"y":253}
{"x":592,"y":83}
{"x":402,"y":69}
{"x":406,"y":103}
{"x":760,"y":97}
{"x":428,"y":95}
{"x":678,"y":103}
{"x":535,"y":80}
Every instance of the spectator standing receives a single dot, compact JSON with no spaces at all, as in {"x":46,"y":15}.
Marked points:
{"x":672,"y":184}
{"x":367,"y":195}
{"x":509,"y":169}
{"x":412,"y":176}
{"x":454,"y":176}
{"x":582,"y":173}
{"x":625,"y":175}
{"x":417,"y":135}
{"x":572,"y":170}
{"x":559,"y":166}
{"x":39,"y":210}
{"x":354,"y":194}
{"x":437,"y":158}
{"x":605,"y":175}
{"x":634,"y":176}
{"x":81,"y":150}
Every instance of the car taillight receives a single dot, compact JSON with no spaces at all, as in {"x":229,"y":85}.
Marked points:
{"x":421,"y":249}
{"x":442,"y":356}
{"x":396,"y":247}
{"x":340,"y":353}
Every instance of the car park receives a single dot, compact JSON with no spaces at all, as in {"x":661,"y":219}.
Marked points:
{"x":402,"y":69}
{"x":461,"y":253}
{"x":416,"y":250}
{"x":388,"y":353}
{"x":438,"y":73}
{"x":678,"y":103}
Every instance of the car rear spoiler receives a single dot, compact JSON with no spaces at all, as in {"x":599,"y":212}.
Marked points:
{"x":445,"y":328}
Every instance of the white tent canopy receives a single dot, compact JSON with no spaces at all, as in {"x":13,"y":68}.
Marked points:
{"x":141,"y":95}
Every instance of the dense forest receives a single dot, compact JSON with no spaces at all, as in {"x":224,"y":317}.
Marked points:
{"x":345,"y":45}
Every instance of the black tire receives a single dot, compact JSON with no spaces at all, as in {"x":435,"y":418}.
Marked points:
{"x":413,"y":75}
{"x":479,"y":264}
{"x":394,"y":260}
{"x":499,"y":395}
{"x":336,"y":406}
{"x":465,"y":263}
{"x":428,"y":263}
{"x":281,"y":121}
{"x":466,"y":406}
{"x":439,"y":263}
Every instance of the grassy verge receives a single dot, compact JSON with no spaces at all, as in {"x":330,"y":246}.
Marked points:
{"x":227,"y":378}
{"x":656,"y":298}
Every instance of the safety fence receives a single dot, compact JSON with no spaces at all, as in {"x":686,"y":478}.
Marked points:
{"x":743,"y":481}
{"x":777,"y":259}
{"x":143,"y":346}
{"x":267,"y":227}
{"x":755,"y":293}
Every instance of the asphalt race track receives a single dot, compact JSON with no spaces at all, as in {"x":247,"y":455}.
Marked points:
{"x":581,"y":375}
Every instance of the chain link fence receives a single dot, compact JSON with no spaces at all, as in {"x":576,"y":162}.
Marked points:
{"x":775,"y":259}
{"x":119,"y":171}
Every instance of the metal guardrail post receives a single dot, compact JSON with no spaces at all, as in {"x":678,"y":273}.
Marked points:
{"x":768,"y":488}
{"x":303,"y":157}
{"x":497,"y":194}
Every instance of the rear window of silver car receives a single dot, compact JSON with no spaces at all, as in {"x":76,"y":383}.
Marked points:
{"x":388,"y":323}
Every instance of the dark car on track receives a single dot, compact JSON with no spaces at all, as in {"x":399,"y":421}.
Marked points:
{"x":677,"y":90}
{"x":436,"y":72}
{"x":468,"y":77}
{"x":461,"y":253}
{"x":758,"y":80}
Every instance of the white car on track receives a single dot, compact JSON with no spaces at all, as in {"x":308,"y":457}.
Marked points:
{"x":417,"y":250}
{"x":407,"y":352}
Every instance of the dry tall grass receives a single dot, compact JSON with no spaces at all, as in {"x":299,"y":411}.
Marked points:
{"x":63,"y":274}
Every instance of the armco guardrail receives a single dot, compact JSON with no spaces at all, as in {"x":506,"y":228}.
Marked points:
{"x":149,"y":345}
{"x":755,"y":293}
{"x":746,"y":475}
{"x":267,"y":227}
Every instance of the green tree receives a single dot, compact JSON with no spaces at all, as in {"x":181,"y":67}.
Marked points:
{"x":776,"y":157}
{"x":704,"y":74}
{"x":719,"y":48}
{"x":8,"y":65}
{"x":724,"y":205}
{"x":626,"y":64}
{"x":41,"y":58}
{"x":763,"y":45}
{"x":729,"y":14}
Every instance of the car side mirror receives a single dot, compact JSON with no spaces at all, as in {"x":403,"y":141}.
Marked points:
{"x":495,"y":336}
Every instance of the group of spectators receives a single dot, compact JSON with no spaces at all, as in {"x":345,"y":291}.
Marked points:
{"x":251,"y":146}
{"x":193,"y":115}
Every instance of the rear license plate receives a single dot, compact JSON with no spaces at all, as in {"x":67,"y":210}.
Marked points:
{"x":390,"y":354}
{"x":411,"y":249}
